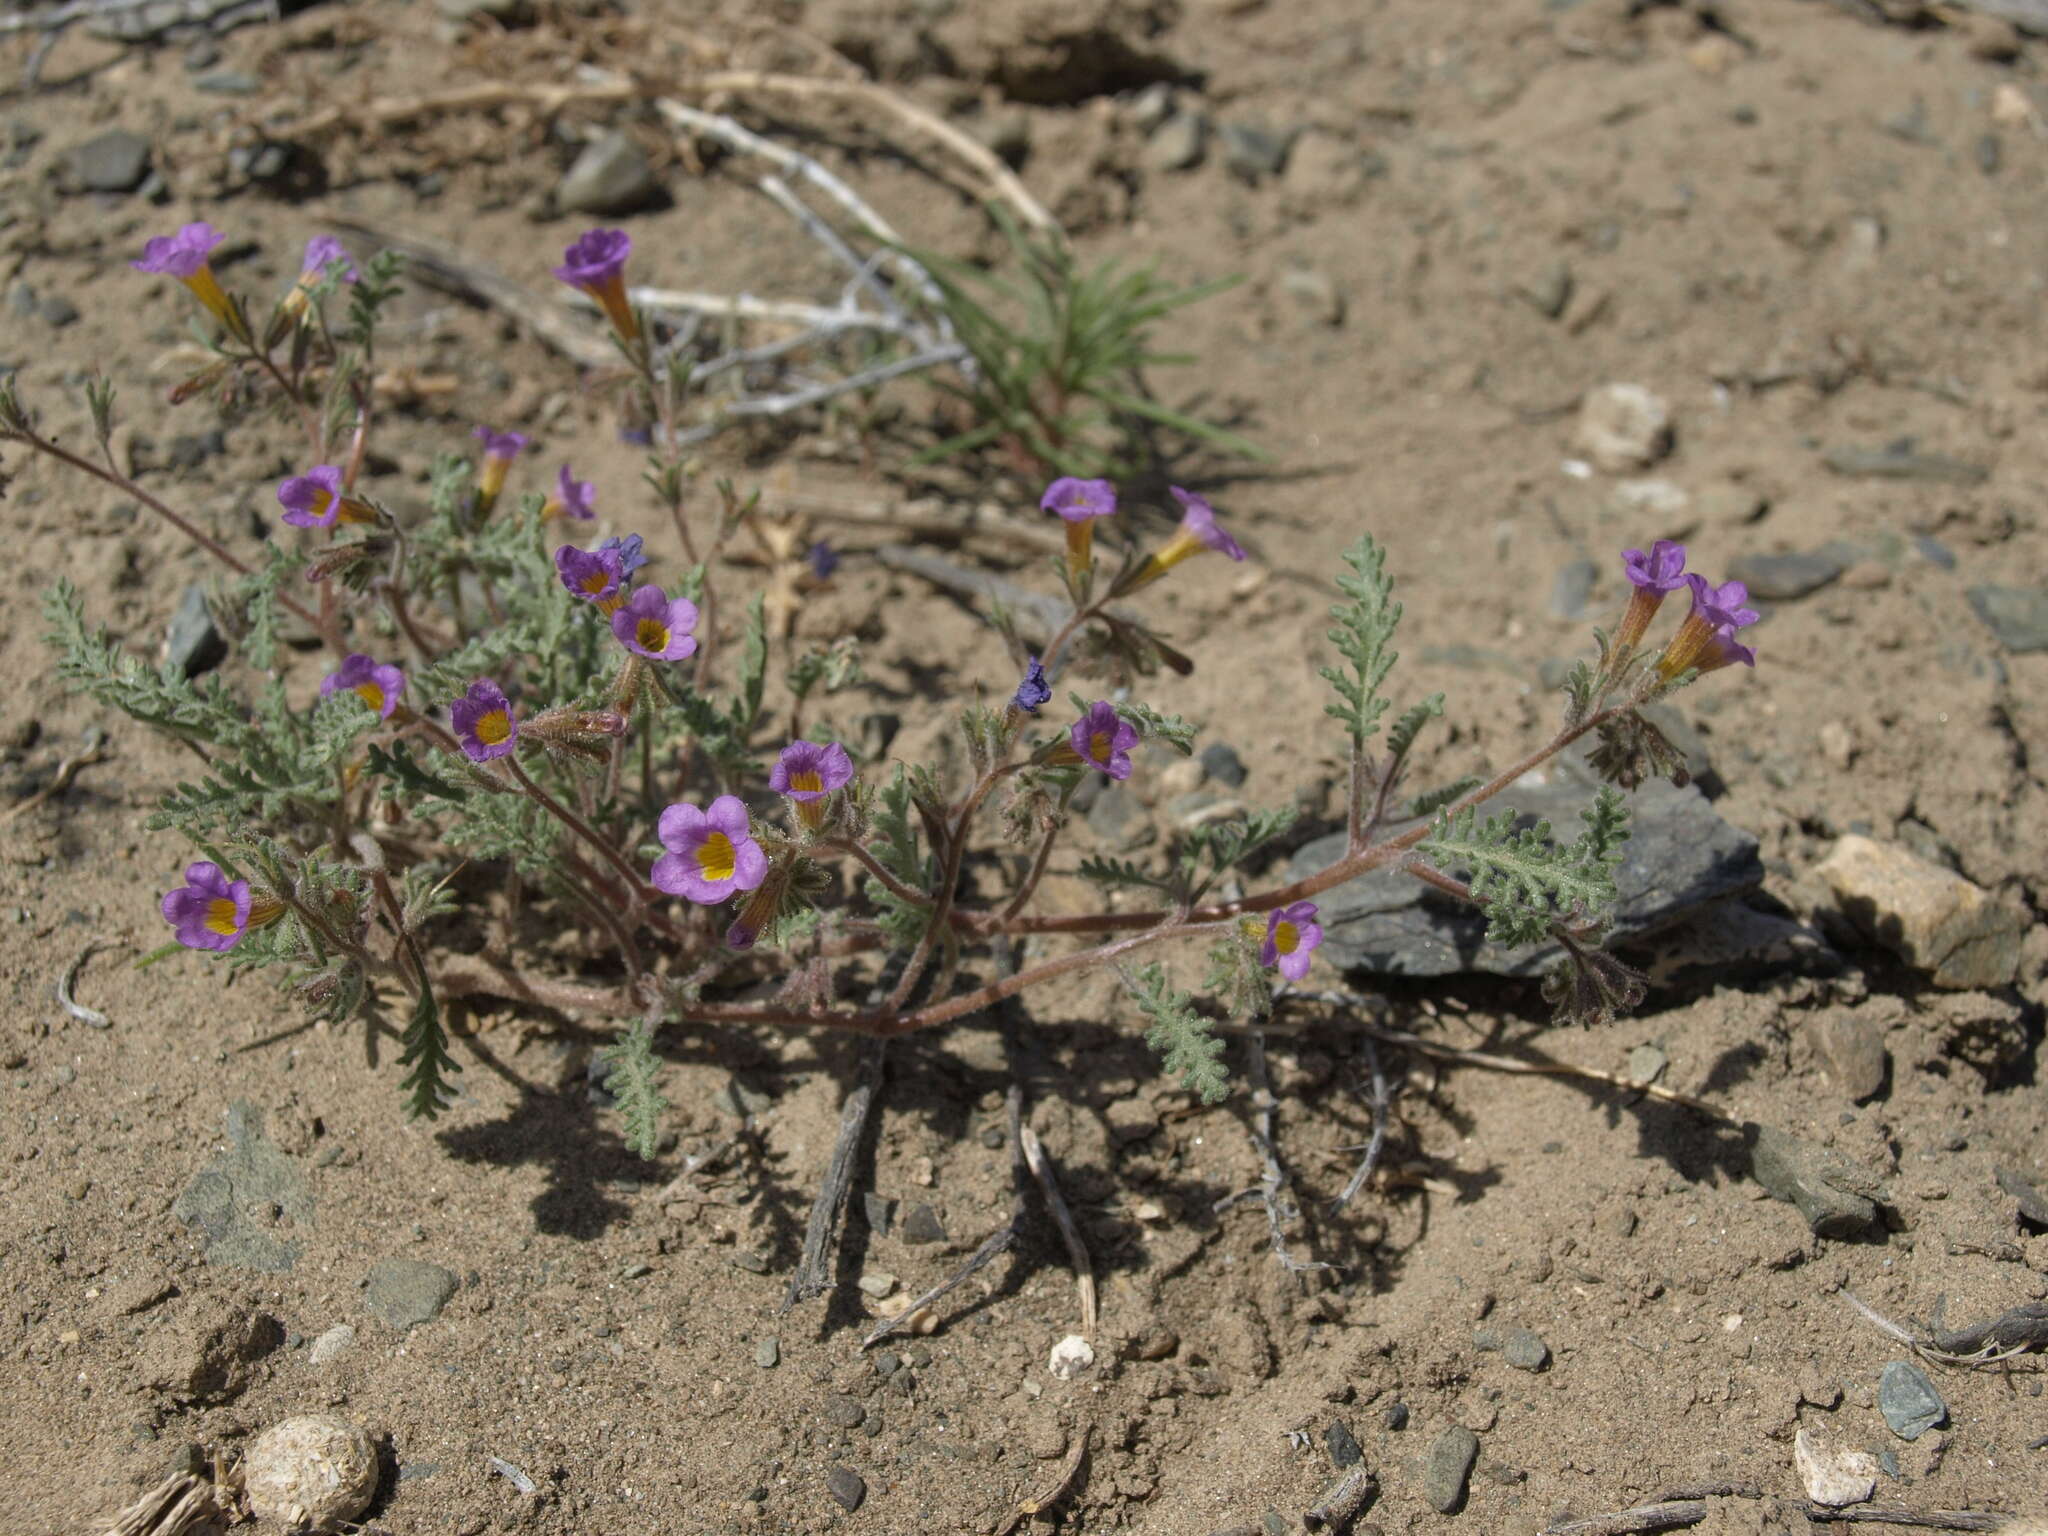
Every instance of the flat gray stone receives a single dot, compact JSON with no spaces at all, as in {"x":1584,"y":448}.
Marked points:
{"x":193,"y":643}
{"x":1680,"y":857}
{"x":1342,"y":1445}
{"x":921,"y":1224}
{"x":1827,"y":1190}
{"x":1448,"y":1467}
{"x":403,"y":1293}
{"x":1180,"y":143}
{"x":1908,"y":1401}
{"x":611,"y":176}
{"x":1784,"y":578}
{"x":241,"y":1198}
{"x":1252,"y":153}
{"x":2033,"y":1203}
{"x":1571,"y":591}
{"x":1901,"y":460}
{"x":2017,"y":616}
{"x":768,"y":1352}
{"x":114,"y":161}
{"x":1525,"y":1350}
{"x":1221,"y":763}
{"x":847,"y":1487}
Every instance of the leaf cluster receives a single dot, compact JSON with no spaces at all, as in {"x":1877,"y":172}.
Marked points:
{"x":1185,"y":1041}
{"x":1525,"y":880}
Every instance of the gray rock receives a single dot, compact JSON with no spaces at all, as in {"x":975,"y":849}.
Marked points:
{"x":1118,"y":817}
{"x":22,"y":300}
{"x":1548,"y":291}
{"x":1223,"y":765}
{"x":1525,"y":1350}
{"x":403,"y":1293}
{"x":1342,"y":1445}
{"x":1820,"y":1183}
{"x":1448,"y":1467}
{"x":2032,"y":1202}
{"x":610,"y":177}
{"x":881,"y":1213}
{"x":510,"y":13}
{"x":843,"y":1412}
{"x":768,"y":1353}
{"x":1252,"y":154}
{"x":744,"y":1099}
{"x":1149,"y":110}
{"x":1571,"y":592}
{"x":114,"y":161}
{"x":1957,"y":933}
{"x":1990,"y":153}
{"x":1854,"y":1052}
{"x":1680,"y":858}
{"x":227,"y":82}
{"x":1395,"y":1415}
{"x":1782,"y":578}
{"x":2018,"y":616}
{"x":1908,"y":1401}
{"x":846,"y":1486}
{"x":1315,"y":293}
{"x":1180,"y":143}
{"x":238,"y":1198}
{"x":331,"y":1345}
{"x":194,"y":644}
{"x":1646,"y":1063}
{"x":58,"y":312}
{"x":1622,"y":428}
{"x":1900,"y":460}
{"x":921,"y":1225}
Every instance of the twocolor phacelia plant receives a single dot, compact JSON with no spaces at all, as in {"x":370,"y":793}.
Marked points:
{"x":504,"y":708}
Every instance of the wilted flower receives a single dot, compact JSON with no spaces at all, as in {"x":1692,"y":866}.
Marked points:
{"x":1079,"y":502}
{"x":595,"y":575}
{"x":1292,"y":933}
{"x":210,"y":911}
{"x":651,"y":625}
{"x":1653,"y":576}
{"x":628,"y":551}
{"x":315,"y":500}
{"x":1198,"y":531}
{"x":1103,"y":739}
{"x":573,"y":498}
{"x":187,"y":257}
{"x":1034,"y":690}
{"x":483,"y":721}
{"x":500,"y":449}
{"x":808,"y":773}
{"x":377,"y":686}
{"x":1706,"y":641}
{"x":711,"y":852}
{"x":596,"y":263}
{"x":322,"y":252}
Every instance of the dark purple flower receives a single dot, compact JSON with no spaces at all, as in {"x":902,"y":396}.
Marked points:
{"x":1706,"y":641}
{"x":628,"y":551}
{"x":1103,"y":739}
{"x":823,"y":560}
{"x":650,"y":625}
{"x":1034,"y":690}
{"x":595,"y":575}
{"x":1661,"y":570}
{"x":596,"y":263}
{"x":315,"y":500}
{"x":377,"y":686}
{"x":1079,"y":500}
{"x":500,"y":445}
{"x":209,"y":911}
{"x":483,"y":721}
{"x":711,"y":852}
{"x":1292,"y":933}
{"x":183,"y":256}
{"x":807,"y":773}
{"x":573,"y":498}
{"x":322,"y":252}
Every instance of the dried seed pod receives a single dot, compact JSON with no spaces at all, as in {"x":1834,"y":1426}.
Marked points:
{"x":310,"y":1472}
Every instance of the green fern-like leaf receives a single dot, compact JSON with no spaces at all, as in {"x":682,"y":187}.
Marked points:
{"x":426,"y":1087}
{"x":1363,"y":634}
{"x":635,"y":1082}
{"x":1522,"y":877}
{"x":1185,"y":1041}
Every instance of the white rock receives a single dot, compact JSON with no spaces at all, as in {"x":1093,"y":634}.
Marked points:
{"x":1623,"y":428}
{"x":1658,"y":500}
{"x":1070,"y":1357}
{"x":335,"y":1341}
{"x":311,"y":1472}
{"x":1833,"y":1476}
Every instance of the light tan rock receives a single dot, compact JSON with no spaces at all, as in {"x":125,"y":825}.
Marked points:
{"x":311,"y":1472}
{"x":1623,"y":428}
{"x":1833,"y":1476}
{"x":1957,"y":933}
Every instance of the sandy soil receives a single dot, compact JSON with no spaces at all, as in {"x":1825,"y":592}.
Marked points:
{"x":1805,"y":231}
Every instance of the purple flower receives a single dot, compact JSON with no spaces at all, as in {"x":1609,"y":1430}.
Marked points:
{"x":596,"y":263}
{"x":1661,"y":570}
{"x":183,"y":256}
{"x":650,"y":625}
{"x":322,"y":252}
{"x":1706,"y":641}
{"x":209,"y":911}
{"x":595,"y":575}
{"x":628,"y":551}
{"x":315,"y":500}
{"x":597,"y":257}
{"x":823,"y":560}
{"x":1103,"y":739}
{"x":483,"y":721}
{"x":1034,"y":690}
{"x":377,"y":686}
{"x":1291,"y":934}
{"x":807,"y":773}
{"x":1653,"y":575}
{"x":573,"y":498}
{"x":1079,"y":500}
{"x":499,"y":447}
{"x":187,"y":257}
{"x":1198,"y":523}
{"x":710,"y":854}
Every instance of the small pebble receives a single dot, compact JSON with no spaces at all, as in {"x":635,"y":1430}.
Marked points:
{"x":1908,"y":1401}
{"x":768,"y":1353}
{"x":1070,"y":1357}
{"x":922,"y":1225}
{"x":1448,"y":1468}
{"x":1524,"y":1350}
{"x":846,"y":1486}
{"x":1342,"y":1445}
